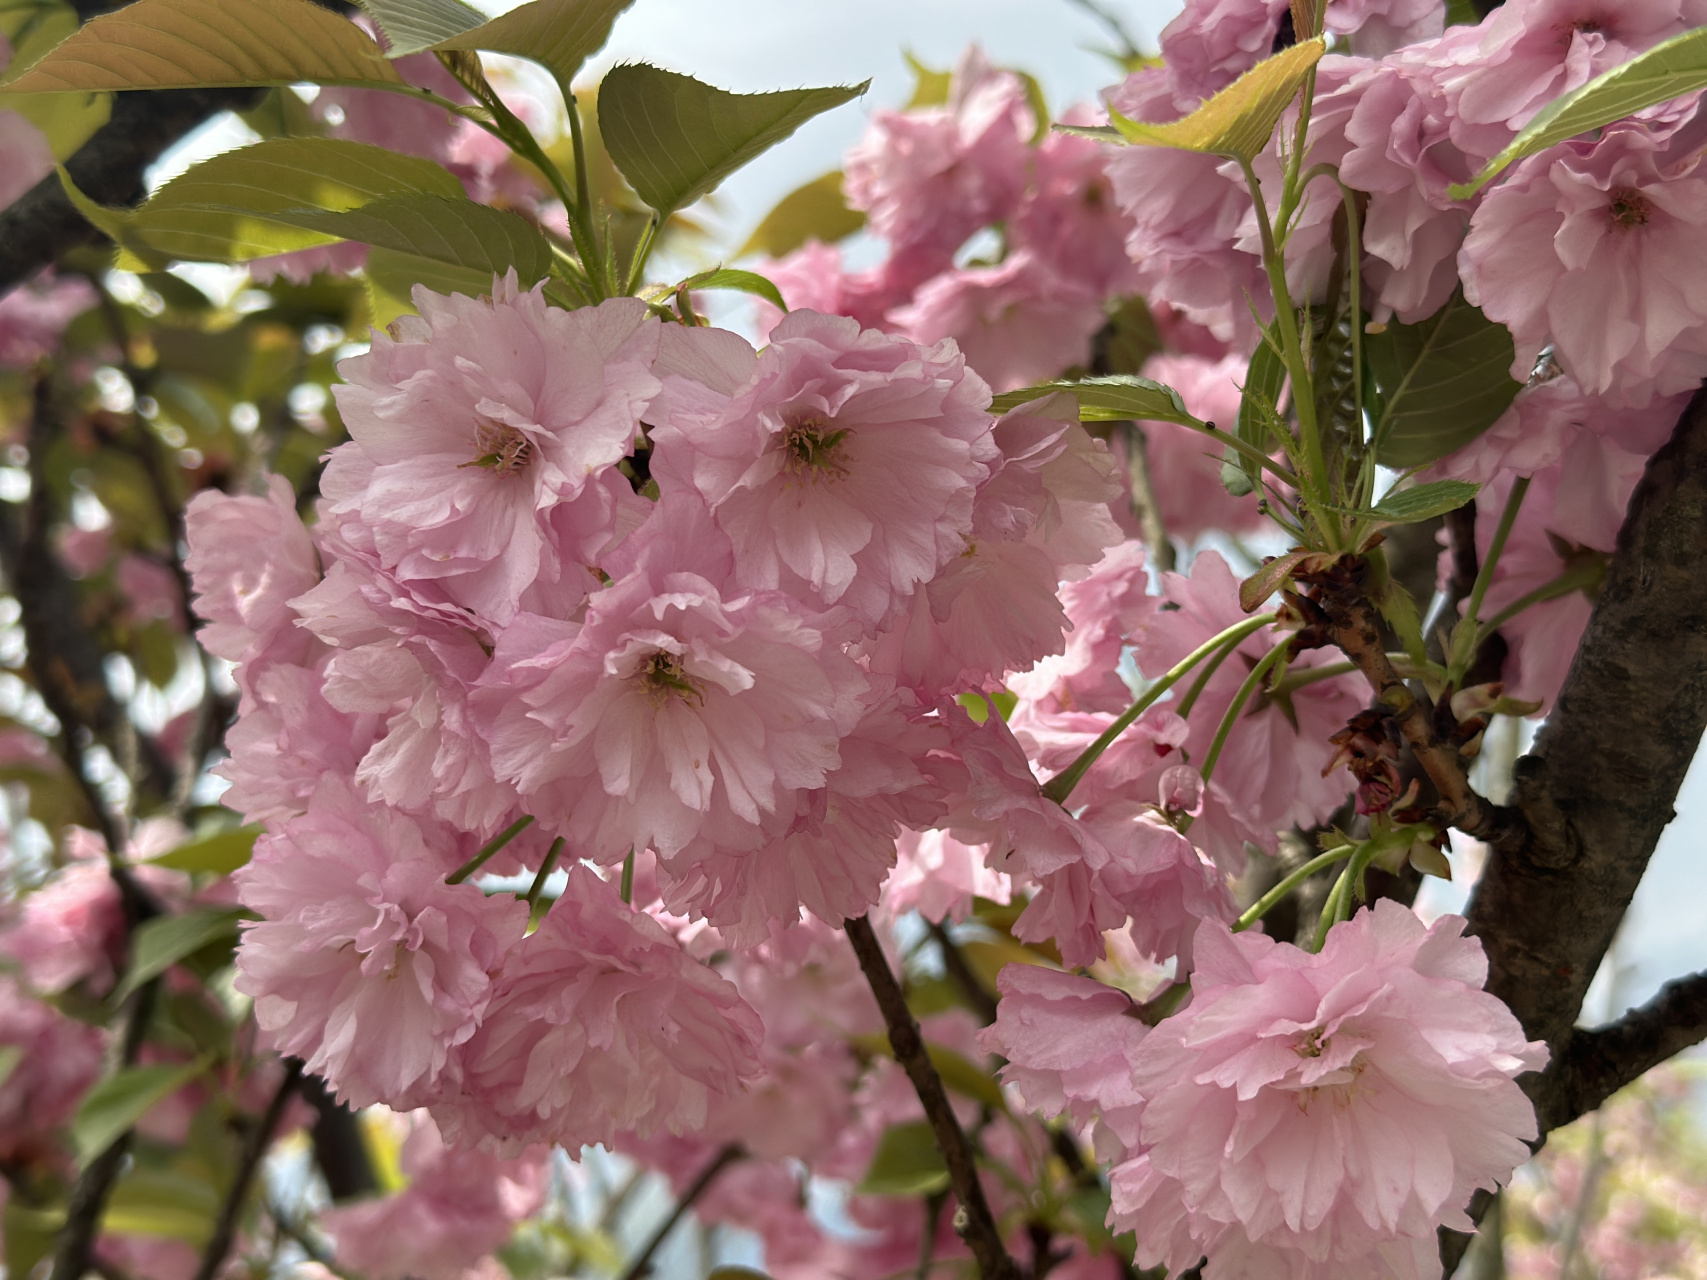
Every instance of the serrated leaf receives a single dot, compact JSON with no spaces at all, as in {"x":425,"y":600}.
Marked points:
{"x":413,"y":25}
{"x":559,"y":34}
{"x":184,"y":44}
{"x":1115,"y":398}
{"x":456,"y":232}
{"x":221,"y":209}
{"x":734,"y":278}
{"x":1259,"y":403}
{"x":221,"y":853}
{"x":1262,"y":584}
{"x":815,"y":211}
{"x":1424,"y":501}
{"x":1668,"y":70}
{"x":163,"y":941}
{"x":1239,"y":120}
{"x":1440,"y":383}
{"x":675,"y":138}
{"x":66,"y":120}
{"x":906,"y":1163}
{"x":115,"y":1104}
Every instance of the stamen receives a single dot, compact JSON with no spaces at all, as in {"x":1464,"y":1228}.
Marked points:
{"x":500,"y":448}
{"x":663,"y":677}
{"x":1629,"y":208}
{"x":814,"y":450}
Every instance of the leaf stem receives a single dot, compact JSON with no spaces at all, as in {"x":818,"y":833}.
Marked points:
{"x":491,"y":847}
{"x":1061,"y":785}
{"x":628,"y":878}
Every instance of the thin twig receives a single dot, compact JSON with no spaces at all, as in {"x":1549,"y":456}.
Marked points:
{"x":726,"y":1156}
{"x":1141,"y":490}
{"x":254,"y":1151}
{"x":980,"y":1231}
{"x":971,"y":986}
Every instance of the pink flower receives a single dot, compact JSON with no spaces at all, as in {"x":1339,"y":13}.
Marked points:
{"x":812,"y":278}
{"x":59,"y":1058}
{"x":1102,"y":609}
{"x":1367,"y":1091}
{"x":928,"y":178}
{"x":459,"y":1207}
{"x":600,"y":1024}
{"x":1164,"y":885}
{"x":366,"y":964}
{"x":798,"y":466}
{"x":1185,"y":466}
{"x":1069,"y":218}
{"x":938,"y":876}
{"x":1017,"y":323}
{"x":673,"y":712}
{"x":29,"y":157}
{"x":33,"y":316}
{"x":477,"y":431}
{"x":1591,"y":246}
{"x":1214,"y":42}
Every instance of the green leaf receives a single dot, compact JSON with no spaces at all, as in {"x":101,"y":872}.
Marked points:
{"x":815,"y":211}
{"x":456,"y":232}
{"x":1440,"y":383}
{"x":169,"y":1203}
{"x":27,"y":1235}
{"x":1239,"y":120}
{"x":1424,"y":501}
{"x":112,"y":1108}
{"x":1259,"y":405}
{"x":1667,"y":71}
{"x":734,"y":278}
{"x":413,"y":25}
{"x":10,"y":1057}
{"x":906,"y":1163}
{"x":1115,"y":398}
{"x":930,"y":86}
{"x":66,"y":120}
{"x":391,"y":277}
{"x":109,"y":222}
{"x":221,"y":210}
{"x":221,"y":853}
{"x":675,"y":138}
{"x":163,"y":941}
{"x":560,"y":34}
{"x":964,"y":1076}
{"x":185,"y":44}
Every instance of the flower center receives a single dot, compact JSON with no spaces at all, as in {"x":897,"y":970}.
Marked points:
{"x":1311,"y":1045}
{"x":663,"y":677}
{"x":500,"y":448}
{"x":1629,"y":208}
{"x":814,"y":450}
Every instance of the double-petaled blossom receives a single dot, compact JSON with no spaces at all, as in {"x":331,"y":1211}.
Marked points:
{"x":365,"y":963}
{"x":483,"y":438}
{"x":599,"y":1024}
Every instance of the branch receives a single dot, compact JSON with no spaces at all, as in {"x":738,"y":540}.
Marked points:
{"x":225,"y":1230}
{"x":642,"y":1264}
{"x":1593,"y":1065}
{"x":980,"y":1232}
{"x":338,"y":1146}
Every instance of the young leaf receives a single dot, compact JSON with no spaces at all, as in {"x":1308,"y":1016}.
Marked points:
{"x":1116,"y":398}
{"x":1407,"y":506}
{"x":1265,"y":379}
{"x":1238,"y":121}
{"x":734,"y":278}
{"x":815,"y":211}
{"x":115,"y":1104}
{"x":392,"y":277}
{"x":1667,"y":71}
{"x":163,"y":941}
{"x":906,"y":1163}
{"x":221,"y":853}
{"x":456,"y":232}
{"x":186,"y":44}
{"x":675,"y":138}
{"x":1441,"y":382}
{"x":66,"y":120}
{"x":413,"y":25}
{"x":220,"y":210}
{"x":560,"y":34}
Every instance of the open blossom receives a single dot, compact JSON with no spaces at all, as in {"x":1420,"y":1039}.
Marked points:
{"x":1102,"y":608}
{"x":58,"y":1059}
{"x":365,"y":963}
{"x":460,"y":1205}
{"x":1591,"y":246}
{"x":600,"y":1024}
{"x":675,"y":711}
{"x":939,"y":876}
{"x":798,"y":464}
{"x":927,"y":179}
{"x":1368,"y":1090}
{"x":473,"y":429}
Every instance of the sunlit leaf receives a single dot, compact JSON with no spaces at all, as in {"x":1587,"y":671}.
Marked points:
{"x":391,"y":277}
{"x":163,"y":941}
{"x":734,"y":278}
{"x":413,"y":25}
{"x":1239,"y":120}
{"x":66,"y":120}
{"x":456,"y":232}
{"x":169,"y":1204}
{"x":1115,"y":398}
{"x":116,"y":1103}
{"x":1667,"y":71}
{"x":221,"y":853}
{"x":815,"y":211}
{"x":906,"y":1163}
{"x":560,"y":34}
{"x":675,"y":138}
{"x":182,"y":44}
{"x":1440,"y":383}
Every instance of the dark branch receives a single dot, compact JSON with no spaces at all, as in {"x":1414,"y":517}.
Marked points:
{"x":642,"y":1264}
{"x":971,"y":986}
{"x":254,"y":1150}
{"x":1594,"y":1065}
{"x":980,"y":1232}
{"x":338,"y":1147}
